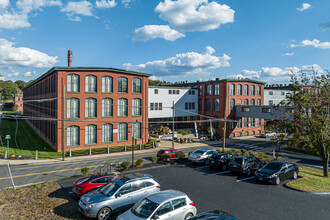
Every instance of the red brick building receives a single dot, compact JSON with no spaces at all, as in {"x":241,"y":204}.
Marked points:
{"x":18,"y":100}
{"x":218,"y":99}
{"x":101,"y":105}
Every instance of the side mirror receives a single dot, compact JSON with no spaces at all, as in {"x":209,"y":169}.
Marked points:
{"x":156,"y":217}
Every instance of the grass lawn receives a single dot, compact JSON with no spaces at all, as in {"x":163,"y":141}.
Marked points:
{"x":312,"y":181}
{"x":28,"y":141}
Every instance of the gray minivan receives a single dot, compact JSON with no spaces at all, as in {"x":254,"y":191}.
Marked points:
{"x":118,"y":195}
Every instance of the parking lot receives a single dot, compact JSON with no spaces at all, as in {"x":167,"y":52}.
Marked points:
{"x":241,"y":196}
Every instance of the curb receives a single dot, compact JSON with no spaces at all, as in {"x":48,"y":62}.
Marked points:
{"x":303,"y":191}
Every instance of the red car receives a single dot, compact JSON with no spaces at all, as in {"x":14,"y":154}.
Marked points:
{"x":171,"y":151}
{"x":85,"y":185}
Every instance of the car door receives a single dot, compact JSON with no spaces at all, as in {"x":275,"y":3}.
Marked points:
{"x":173,"y":153}
{"x":138,"y":191}
{"x":123,"y":198}
{"x":164,"y":212}
{"x":179,"y":208}
{"x":283,"y":172}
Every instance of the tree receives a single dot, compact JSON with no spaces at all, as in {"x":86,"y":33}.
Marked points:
{"x":310,"y":127}
{"x":15,"y":108}
{"x":21,"y":84}
{"x":8,"y":89}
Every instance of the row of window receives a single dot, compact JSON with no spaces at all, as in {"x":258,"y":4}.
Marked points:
{"x":73,"y":133}
{"x":216,"y":105}
{"x":73,"y":109}
{"x":73,"y":84}
{"x":240,"y":91}
{"x":156,"y":106}
{"x":247,"y":122}
{"x":246,"y":133}
{"x":189,"y":105}
{"x":172,"y":91}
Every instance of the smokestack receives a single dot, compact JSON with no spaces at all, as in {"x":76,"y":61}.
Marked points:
{"x":69,"y":58}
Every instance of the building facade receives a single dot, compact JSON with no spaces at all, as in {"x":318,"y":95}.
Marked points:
{"x":18,"y":100}
{"x":277,"y":94}
{"x":102,"y":107}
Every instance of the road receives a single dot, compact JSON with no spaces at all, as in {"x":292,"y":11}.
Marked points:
{"x":29,"y":174}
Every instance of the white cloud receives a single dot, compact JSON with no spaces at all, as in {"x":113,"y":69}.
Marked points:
{"x":12,"y":73}
{"x":194,"y":15}
{"x":185,"y":64}
{"x":4,"y":4}
{"x":23,"y":56}
{"x":288,"y":54}
{"x":148,"y":32}
{"x":106,"y":4}
{"x":29,"y":73}
{"x":30,"y":5}
{"x":315,"y":43}
{"x":304,"y":7}
{"x":126,"y":3}
{"x":78,"y":8}
{"x":13,"y":20}
{"x":312,"y":67}
{"x":153,"y":77}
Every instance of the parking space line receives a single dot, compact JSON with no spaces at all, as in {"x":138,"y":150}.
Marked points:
{"x":221,"y":172}
{"x":201,"y":167}
{"x":251,"y":177}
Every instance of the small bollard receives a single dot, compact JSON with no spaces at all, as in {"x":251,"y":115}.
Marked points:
{"x":90,"y":151}
{"x":140,"y":146}
{"x":36,"y":154}
{"x":153,"y":145}
{"x":125,"y":147}
{"x":70,"y":153}
{"x":108,"y":149}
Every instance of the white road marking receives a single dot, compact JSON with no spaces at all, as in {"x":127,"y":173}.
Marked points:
{"x":251,"y":177}
{"x":201,"y":167}
{"x":221,"y":172}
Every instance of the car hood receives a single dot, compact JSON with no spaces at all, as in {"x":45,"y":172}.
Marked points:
{"x":129,"y":215}
{"x":93,"y":197}
{"x":266,"y":171}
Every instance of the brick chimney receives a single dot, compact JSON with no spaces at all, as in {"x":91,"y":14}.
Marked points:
{"x":69,"y":58}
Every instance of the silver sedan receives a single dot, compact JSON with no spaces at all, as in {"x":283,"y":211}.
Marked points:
{"x":201,"y":155}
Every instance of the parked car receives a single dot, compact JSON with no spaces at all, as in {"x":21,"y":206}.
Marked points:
{"x":201,"y":155}
{"x":219,"y":160}
{"x":214,"y":215}
{"x":168,"y":204}
{"x":118,"y":195}
{"x":87,"y":184}
{"x":276,"y":171}
{"x":173,"y":152}
{"x":271,"y":135}
{"x":245,"y":164}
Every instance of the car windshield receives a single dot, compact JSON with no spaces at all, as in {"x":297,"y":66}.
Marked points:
{"x":144,"y":208}
{"x":199,"y":152}
{"x":238,"y":160}
{"x":110,"y":189}
{"x":161,"y":151}
{"x":84,"y":180}
{"x":273,"y":166}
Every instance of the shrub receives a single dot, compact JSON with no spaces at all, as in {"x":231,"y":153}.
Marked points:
{"x":243,"y":151}
{"x":85,"y":170}
{"x":180,"y":156}
{"x":219,"y":150}
{"x":125,"y":164}
{"x":153,"y":159}
{"x":261,"y":155}
{"x":150,"y":141}
{"x":166,"y":156}
{"x":267,"y":158}
{"x":233,"y":151}
{"x":139,"y":162}
{"x":250,"y":153}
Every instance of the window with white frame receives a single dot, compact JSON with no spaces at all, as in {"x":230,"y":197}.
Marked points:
{"x":136,"y":85}
{"x":107,"y":133}
{"x":90,"y":108}
{"x":232,"y":105}
{"x":107,"y":84}
{"x":258,"y":90}
{"x":209,"y":90}
{"x":73,"y":83}
{"x":239,"y":89}
{"x":253,"y":102}
{"x":252,"y":90}
{"x":253,"y":122}
{"x":90,"y":134}
{"x":122,"y":132}
{"x":72,"y":135}
{"x":107,"y":107}
{"x":122,"y":85}
{"x":136,"y":130}
{"x":122,"y":107}
{"x":246,"y":122}
{"x":136,"y":107}
{"x":216,"y":105}
{"x":246,"y":90}
{"x":72,"y":108}
{"x":200,"y":90}
{"x":239,"y":123}
{"x":216,"y":89}
{"x":232,"y":124}
{"x":246,"y":102}
{"x":232,"y":89}
{"x":259,"y":102}
{"x":90,"y":83}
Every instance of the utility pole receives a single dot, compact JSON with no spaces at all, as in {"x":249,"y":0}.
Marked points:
{"x":63,"y":126}
{"x":133,"y":145}
{"x":225,"y":121}
{"x":173,"y":124}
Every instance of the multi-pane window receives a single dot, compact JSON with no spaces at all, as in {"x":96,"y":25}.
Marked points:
{"x":107,"y":133}
{"x":73,"y":108}
{"x":246,"y":122}
{"x":122,"y":132}
{"x":90,"y":83}
{"x":232,"y":89}
{"x":155,"y":106}
{"x":258,"y":122}
{"x":156,"y":91}
{"x":259,"y":90}
{"x":200,"y":91}
{"x":209,"y":90}
{"x":136,"y":130}
{"x":107,"y":84}
{"x":246,"y":102}
{"x":270,"y":92}
{"x":136,"y":85}
{"x":252,"y":90}
{"x":253,"y":102}
{"x":232,"y":124}
{"x":216,"y":105}
{"x":107,"y":107}
{"x":246,"y":90}
{"x":189,"y":105}
{"x":90,"y":134}
{"x":239,"y":123}
{"x":90,"y":108}
{"x":239,"y":134}
{"x":122,"y":107}
{"x":270,"y":102}
{"x":208,"y":105}
{"x":72,"y":136}
{"x":136,"y":107}
{"x":73,"y":83}
{"x":259,"y":102}
{"x":253,"y":122}
{"x":122,"y":85}
{"x":232,"y":105}
{"x":239,"y":89}
{"x":216,"y":89}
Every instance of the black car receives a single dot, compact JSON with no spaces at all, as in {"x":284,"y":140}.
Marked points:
{"x":219,"y":160}
{"x":214,"y":215}
{"x":276,"y":171}
{"x":245,"y":164}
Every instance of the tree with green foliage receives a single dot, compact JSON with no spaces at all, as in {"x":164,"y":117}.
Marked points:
{"x":310,"y":127}
{"x":21,"y":84}
{"x":8,"y":89}
{"x":15,"y":108}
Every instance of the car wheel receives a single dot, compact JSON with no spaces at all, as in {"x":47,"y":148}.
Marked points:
{"x":188,"y":216}
{"x":104,"y":213}
{"x":277,"y":180}
{"x":224,"y":167}
{"x":295,"y":175}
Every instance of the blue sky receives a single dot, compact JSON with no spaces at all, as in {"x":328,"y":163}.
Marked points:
{"x":173,"y":40}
